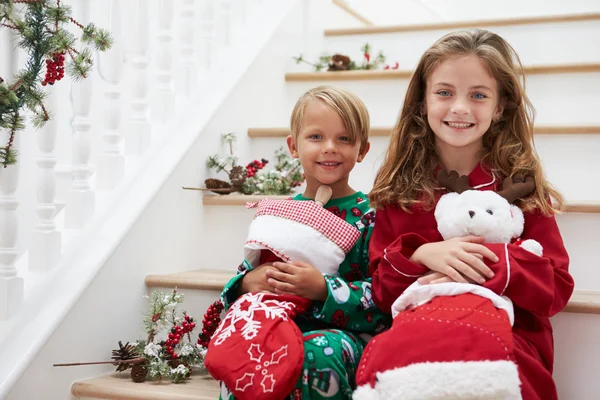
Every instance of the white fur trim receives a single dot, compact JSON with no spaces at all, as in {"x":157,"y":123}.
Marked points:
{"x":533,"y":246}
{"x":418,"y":294}
{"x":460,"y":380}
{"x":507,"y":267}
{"x":365,"y":392}
{"x":294,"y":241}
{"x":396,"y":269}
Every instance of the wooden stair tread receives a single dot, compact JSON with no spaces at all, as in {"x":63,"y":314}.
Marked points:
{"x":281,"y":132}
{"x":582,"y":301}
{"x":206,"y":279}
{"x":359,"y":75}
{"x":120,"y":386}
{"x":573,"y":206}
{"x":456,"y":25}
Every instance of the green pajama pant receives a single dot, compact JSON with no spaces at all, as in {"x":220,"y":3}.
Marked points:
{"x":330,"y":360}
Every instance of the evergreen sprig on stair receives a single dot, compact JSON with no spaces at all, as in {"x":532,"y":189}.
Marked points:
{"x":169,"y":350}
{"x":286,"y":175}
{"x":43,"y":33}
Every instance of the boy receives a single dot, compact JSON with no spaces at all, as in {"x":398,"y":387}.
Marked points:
{"x":329,"y":134}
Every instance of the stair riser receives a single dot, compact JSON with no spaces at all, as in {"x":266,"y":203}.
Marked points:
{"x":569,"y":43}
{"x":576,"y":355}
{"x":563,"y":156}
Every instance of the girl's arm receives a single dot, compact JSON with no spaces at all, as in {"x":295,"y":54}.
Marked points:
{"x":541,"y":285}
{"x":390,"y":250}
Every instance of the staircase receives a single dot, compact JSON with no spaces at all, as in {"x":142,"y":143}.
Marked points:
{"x":194,"y":242}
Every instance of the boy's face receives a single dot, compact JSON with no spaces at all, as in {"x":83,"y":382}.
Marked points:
{"x":324,"y":149}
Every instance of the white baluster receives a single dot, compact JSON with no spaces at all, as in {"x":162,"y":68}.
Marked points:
{"x":111,"y":162}
{"x":187,"y":75}
{"x":80,"y":201}
{"x":225,"y":25}
{"x":45,"y":249}
{"x":11,"y":286}
{"x":139,"y":135}
{"x":162,"y":105}
{"x":208,"y":56}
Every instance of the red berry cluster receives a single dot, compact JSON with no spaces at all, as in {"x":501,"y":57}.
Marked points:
{"x":177,"y":332}
{"x":211,"y":321}
{"x":55,"y":69}
{"x":254,"y":166}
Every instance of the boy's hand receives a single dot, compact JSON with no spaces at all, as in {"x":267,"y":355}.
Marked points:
{"x":299,"y":278}
{"x":255,"y":281}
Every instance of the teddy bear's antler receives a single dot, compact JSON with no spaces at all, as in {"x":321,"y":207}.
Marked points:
{"x":513,"y":188}
{"x":453,"y":182}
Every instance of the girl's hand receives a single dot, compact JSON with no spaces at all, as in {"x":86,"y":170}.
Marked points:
{"x":255,"y":281}
{"x":457,"y":257}
{"x":299,"y":278}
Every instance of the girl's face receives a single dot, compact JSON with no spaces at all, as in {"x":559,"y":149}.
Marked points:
{"x":461,"y":102}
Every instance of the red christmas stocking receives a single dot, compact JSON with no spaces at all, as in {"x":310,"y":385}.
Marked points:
{"x":452,"y":347}
{"x":257,"y":350}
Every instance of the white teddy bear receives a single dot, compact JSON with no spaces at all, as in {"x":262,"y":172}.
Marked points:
{"x":483,"y":213}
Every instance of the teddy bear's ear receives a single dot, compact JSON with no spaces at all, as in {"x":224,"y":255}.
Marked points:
{"x":518,"y":221}
{"x":446,"y":205}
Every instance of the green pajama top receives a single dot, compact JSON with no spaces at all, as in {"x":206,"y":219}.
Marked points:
{"x":349,"y":304}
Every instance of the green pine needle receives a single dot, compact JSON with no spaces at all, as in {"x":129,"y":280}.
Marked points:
{"x":8,"y":157}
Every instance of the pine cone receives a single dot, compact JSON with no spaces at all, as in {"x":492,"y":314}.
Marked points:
{"x":139,"y":372}
{"x":238,"y":176}
{"x":216,"y":184}
{"x":175,"y":363}
{"x":124,"y":353}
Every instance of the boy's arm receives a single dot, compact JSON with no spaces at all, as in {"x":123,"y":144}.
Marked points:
{"x":541,"y":285}
{"x":390,"y":250}
{"x":230,"y":292}
{"x":350,"y":304}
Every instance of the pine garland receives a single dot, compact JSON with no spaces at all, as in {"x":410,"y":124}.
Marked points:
{"x":43,"y":35}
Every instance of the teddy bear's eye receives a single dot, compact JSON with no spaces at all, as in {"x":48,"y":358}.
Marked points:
{"x":489,"y":212}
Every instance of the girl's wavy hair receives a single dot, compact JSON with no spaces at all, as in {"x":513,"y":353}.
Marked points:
{"x":406,"y":175}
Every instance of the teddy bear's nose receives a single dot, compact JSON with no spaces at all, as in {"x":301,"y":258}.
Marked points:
{"x":471,"y":213}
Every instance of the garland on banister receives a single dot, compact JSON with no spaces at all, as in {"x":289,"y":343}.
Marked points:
{"x":43,"y":33}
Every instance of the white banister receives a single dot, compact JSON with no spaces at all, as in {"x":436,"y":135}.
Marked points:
{"x":138,"y":133}
{"x":11,"y":286}
{"x":81,"y":200}
{"x":225,"y":22}
{"x":45,"y":248}
{"x":186,"y":78}
{"x":208,"y":45}
{"x":162,"y":104}
{"x":111,"y":162}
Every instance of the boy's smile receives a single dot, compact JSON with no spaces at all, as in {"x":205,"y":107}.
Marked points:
{"x":325,"y":150}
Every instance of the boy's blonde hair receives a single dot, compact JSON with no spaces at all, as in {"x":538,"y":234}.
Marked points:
{"x":406,"y":176}
{"x":349,"y":106}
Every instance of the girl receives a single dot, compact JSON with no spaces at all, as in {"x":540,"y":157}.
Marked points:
{"x":466,"y":110}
